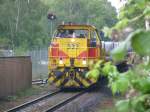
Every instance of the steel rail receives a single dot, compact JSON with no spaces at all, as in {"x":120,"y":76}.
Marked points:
{"x":64,"y":102}
{"x":22,"y":106}
{"x":39,"y":81}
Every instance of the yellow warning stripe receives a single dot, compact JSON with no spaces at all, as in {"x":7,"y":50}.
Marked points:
{"x":82,"y":80}
{"x":78,"y":82}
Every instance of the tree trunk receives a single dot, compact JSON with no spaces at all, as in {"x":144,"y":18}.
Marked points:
{"x":18,"y":14}
{"x":147,"y":26}
{"x":28,"y":1}
{"x":11,"y":35}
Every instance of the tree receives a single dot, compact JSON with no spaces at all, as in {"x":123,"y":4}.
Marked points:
{"x":23,"y":23}
{"x":95,"y":12}
{"x":136,"y":80}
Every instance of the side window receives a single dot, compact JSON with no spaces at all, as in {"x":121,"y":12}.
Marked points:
{"x":93,"y":39}
{"x":93,"y":34}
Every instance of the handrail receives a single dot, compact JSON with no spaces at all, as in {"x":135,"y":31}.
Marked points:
{"x":76,"y":50}
{"x":75,"y":47}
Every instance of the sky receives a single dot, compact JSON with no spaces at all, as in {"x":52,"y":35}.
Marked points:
{"x":116,"y":3}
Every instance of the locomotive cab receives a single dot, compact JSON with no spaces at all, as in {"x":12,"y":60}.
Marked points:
{"x":73,"y":49}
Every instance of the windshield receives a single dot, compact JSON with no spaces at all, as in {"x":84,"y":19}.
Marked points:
{"x":71,"y":33}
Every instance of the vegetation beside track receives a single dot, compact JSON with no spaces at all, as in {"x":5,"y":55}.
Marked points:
{"x":34,"y":90}
{"x":135,"y":83}
{"x":24,"y":96}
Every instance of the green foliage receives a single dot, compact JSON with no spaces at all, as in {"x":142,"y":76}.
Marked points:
{"x":136,"y":104}
{"x":134,"y":10}
{"x":136,"y":81}
{"x":109,"y":69}
{"x":98,"y":64}
{"x":25,"y":23}
{"x":20,"y":51}
{"x":122,"y":84}
{"x":93,"y":12}
{"x":140,"y":42}
{"x":142,"y":84}
{"x":119,"y":82}
{"x":122,"y":23}
{"x":107,"y":31}
{"x":4,"y":42}
{"x":147,"y":11}
{"x":140,"y":81}
{"x":123,"y":106}
{"x":138,"y":78}
{"x":119,"y":53}
{"x":95,"y":72}
{"x":139,"y":103}
{"x":20,"y":23}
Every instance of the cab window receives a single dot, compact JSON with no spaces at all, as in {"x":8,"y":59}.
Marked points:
{"x":63,"y":33}
{"x":94,"y":39}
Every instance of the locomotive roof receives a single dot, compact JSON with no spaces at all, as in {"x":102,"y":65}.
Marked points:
{"x":81,"y":27}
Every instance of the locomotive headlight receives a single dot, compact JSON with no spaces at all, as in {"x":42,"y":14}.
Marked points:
{"x":72,"y":40}
{"x":61,"y":61}
{"x":84,"y":62}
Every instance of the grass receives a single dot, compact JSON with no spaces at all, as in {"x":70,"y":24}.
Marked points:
{"x":34,"y":90}
{"x":39,"y":76}
{"x":39,"y":71}
{"x":113,"y":109}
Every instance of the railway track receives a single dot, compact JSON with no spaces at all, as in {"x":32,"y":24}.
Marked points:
{"x":64,"y":102}
{"x":22,"y":106}
{"x":39,"y":81}
{"x":47,"y":102}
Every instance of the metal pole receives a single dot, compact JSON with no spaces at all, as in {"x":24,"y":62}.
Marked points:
{"x":51,"y":28}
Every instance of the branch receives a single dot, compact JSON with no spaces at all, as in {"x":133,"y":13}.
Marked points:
{"x":136,"y":18}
